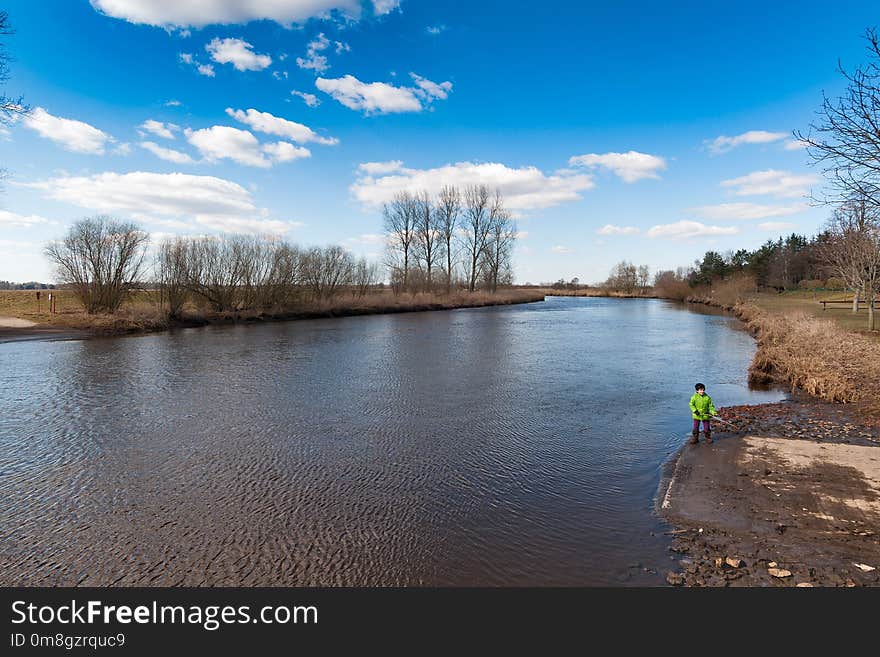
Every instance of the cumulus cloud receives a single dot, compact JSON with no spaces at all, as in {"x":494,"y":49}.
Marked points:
{"x":560,"y":249}
{"x":629,"y":167}
{"x":237,"y":52}
{"x":13,"y":220}
{"x":609,"y":229}
{"x":175,"y":198}
{"x":782,"y":184}
{"x":746,"y":211}
{"x":309,"y":99}
{"x":164,"y":130}
{"x":313,"y":60}
{"x":382,"y":7}
{"x":795,"y":145}
{"x":70,"y":134}
{"x":180,"y":13}
{"x":167,"y":154}
{"x":723,"y":144}
{"x":683,"y":230}
{"x":203,"y":69}
{"x":383,"y":98}
{"x":222,"y":142}
{"x":524,"y":188}
{"x":274,"y":125}
{"x":206,"y":69}
{"x":776,"y":226}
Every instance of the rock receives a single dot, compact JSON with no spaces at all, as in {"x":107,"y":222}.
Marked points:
{"x":804,"y":585}
{"x":772,"y":564}
{"x":674,"y":579}
{"x":865,"y":568}
{"x":734,"y":562}
{"x":719,"y":562}
{"x":779,"y":572}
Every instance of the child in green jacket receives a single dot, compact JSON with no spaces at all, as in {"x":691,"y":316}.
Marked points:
{"x":702,"y":410}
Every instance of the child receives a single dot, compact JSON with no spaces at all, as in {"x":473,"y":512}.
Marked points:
{"x":702,"y":409}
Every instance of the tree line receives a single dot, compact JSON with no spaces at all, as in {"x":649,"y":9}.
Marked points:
{"x":461,"y":239}
{"x":458,"y":238}
{"x":102,"y":259}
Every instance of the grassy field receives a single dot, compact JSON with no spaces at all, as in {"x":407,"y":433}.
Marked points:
{"x":809,"y":304}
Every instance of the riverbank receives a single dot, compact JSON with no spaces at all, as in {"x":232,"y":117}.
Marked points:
{"x":27,"y":317}
{"x":788,"y":494}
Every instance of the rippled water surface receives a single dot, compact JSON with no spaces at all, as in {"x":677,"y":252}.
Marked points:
{"x":518,"y":445}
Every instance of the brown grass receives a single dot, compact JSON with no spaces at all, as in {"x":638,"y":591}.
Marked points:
{"x":141,"y":312}
{"x":813,"y":354}
{"x":590,"y":292}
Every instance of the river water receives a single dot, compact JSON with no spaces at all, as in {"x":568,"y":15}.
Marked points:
{"x":516,"y":445}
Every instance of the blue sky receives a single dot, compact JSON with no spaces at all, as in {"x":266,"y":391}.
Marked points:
{"x":631,"y":130}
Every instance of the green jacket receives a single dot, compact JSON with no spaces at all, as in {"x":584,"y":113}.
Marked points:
{"x":702,"y":407}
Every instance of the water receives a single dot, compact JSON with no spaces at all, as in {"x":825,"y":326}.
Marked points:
{"x":517,"y":445}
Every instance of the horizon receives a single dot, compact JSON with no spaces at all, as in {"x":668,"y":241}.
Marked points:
{"x":279,"y":118}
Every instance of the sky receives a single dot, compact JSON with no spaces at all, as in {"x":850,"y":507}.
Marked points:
{"x":628,"y":130}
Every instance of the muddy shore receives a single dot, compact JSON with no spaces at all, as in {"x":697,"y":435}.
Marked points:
{"x":789,"y":495}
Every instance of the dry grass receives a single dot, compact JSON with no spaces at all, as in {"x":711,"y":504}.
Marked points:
{"x":142,"y":312}
{"x":810,"y":353}
{"x":590,"y":292}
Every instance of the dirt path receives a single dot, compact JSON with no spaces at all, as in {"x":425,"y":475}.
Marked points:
{"x":796,"y":504}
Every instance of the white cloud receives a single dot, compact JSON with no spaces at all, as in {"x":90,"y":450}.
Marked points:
{"x":313,"y":60}
{"x":629,"y":167}
{"x":560,"y":249}
{"x":795,"y":145}
{"x":122,"y":149}
{"x":309,"y":99}
{"x":237,"y":52}
{"x":341,"y":47}
{"x":206,"y":69}
{"x":274,"y":125}
{"x":382,"y":7}
{"x":168,"y":154}
{"x":184,"y":13}
{"x":435,"y":29}
{"x":72,"y":135}
{"x":282,"y":151}
{"x":173,"y":103}
{"x":525,"y":188}
{"x":776,"y":225}
{"x":609,"y":229}
{"x":723,"y":144}
{"x":164,"y":130}
{"x":746,"y":211}
{"x":186,"y":58}
{"x":166,"y":198}
{"x":219,"y":142}
{"x":13,"y":220}
{"x":430,"y":89}
{"x":771,"y":182}
{"x":383,"y":98}
{"x":380,"y":168}
{"x":683,"y":230}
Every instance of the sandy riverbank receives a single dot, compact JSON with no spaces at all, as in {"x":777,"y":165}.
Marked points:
{"x":790,"y":493}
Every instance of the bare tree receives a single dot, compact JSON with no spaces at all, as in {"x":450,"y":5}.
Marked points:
{"x":448,"y":210}
{"x":326,"y":271}
{"x":400,"y":224}
{"x":498,"y":250}
{"x":100,"y":258}
{"x":427,"y":236}
{"x":9,"y":107}
{"x":644,"y":276}
{"x":365,"y":275}
{"x":624,"y":277}
{"x":846,"y":138}
{"x":213,"y":272}
{"x":852,"y":249}
{"x":475,"y":211}
{"x":172,"y":272}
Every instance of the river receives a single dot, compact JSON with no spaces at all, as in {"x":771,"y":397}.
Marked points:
{"x":514,"y":445}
